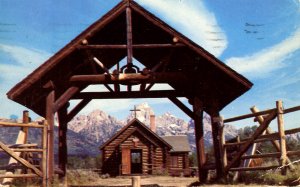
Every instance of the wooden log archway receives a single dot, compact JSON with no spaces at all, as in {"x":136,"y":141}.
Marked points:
{"x":130,"y":31}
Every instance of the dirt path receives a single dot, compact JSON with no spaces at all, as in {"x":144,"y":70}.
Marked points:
{"x":158,"y":180}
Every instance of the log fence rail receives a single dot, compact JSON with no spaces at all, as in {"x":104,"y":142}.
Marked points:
{"x":263,"y":133}
{"x":22,"y":147}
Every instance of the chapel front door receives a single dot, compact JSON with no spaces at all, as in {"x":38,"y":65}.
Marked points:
{"x":126,"y":163}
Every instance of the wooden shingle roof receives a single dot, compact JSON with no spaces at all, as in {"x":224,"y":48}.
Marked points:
{"x":179,"y":143}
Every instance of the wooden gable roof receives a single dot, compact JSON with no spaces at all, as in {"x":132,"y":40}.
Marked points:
{"x":179,"y":143}
{"x":139,"y":127}
{"x":187,"y":67}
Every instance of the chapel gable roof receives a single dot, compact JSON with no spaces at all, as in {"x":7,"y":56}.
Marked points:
{"x":139,"y":128}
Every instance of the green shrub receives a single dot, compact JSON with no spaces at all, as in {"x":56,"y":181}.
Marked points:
{"x":271,"y":177}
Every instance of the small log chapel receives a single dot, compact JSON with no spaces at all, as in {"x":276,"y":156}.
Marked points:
{"x":137,"y":149}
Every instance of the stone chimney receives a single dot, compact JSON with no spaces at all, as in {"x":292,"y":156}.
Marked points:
{"x":152,"y":123}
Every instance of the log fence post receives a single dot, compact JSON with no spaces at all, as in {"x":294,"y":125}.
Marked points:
{"x":275,"y":143}
{"x":136,"y":181}
{"x":44,"y":156}
{"x":282,"y":140}
{"x":223,"y":147}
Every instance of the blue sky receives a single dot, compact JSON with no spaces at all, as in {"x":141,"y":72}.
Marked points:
{"x":258,"y":38}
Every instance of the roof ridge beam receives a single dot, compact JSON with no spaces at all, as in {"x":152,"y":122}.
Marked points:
{"x":131,"y":94}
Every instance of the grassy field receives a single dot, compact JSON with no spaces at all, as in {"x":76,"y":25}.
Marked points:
{"x":77,"y":178}
{"x":88,"y":178}
{"x":258,"y":178}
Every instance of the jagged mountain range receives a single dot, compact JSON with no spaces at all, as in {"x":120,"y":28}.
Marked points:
{"x":98,"y":126}
{"x":87,"y":132}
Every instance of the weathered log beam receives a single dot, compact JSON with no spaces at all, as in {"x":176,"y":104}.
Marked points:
{"x":216,"y":124}
{"x":9,"y":124}
{"x":18,"y":176}
{"x":50,"y":105}
{"x":135,"y":46}
{"x":26,"y":120}
{"x":108,"y":87}
{"x":266,"y":155}
{"x":101,"y":65}
{"x":77,"y":109}
{"x":142,"y":87}
{"x":285,"y":111}
{"x":245,"y":141}
{"x":292,"y":131}
{"x":293,"y":109}
{"x":149,"y":87}
{"x":249,"y":115}
{"x":199,"y":139}
{"x":117,"y":87}
{"x":134,"y":78}
{"x":129,"y":34}
{"x":44,"y":155}
{"x":62,"y":140}
{"x":129,"y":88}
{"x":25,"y":150}
{"x":65,"y":97}
{"x":12,"y":167}
{"x":128,"y":95}
{"x":254,"y":168}
{"x":22,"y":145}
{"x":265,"y":137}
{"x":182,"y":106}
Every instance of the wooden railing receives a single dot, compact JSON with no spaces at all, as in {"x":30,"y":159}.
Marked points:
{"x":21,"y":146}
{"x":262,"y":133}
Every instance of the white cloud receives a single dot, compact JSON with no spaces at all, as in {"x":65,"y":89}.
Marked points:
{"x":25,"y":56}
{"x":262,"y":63}
{"x":24,"y":61}
{"x":20,"y":62}
{"x":193,"y":20}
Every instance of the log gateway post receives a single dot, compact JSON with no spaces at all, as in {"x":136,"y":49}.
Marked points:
{"x":282,"y":140}
{"x":50,"y":120}
{"x":216,"y":126}
{"x":62,"y":143}
{"x":199,"y":132}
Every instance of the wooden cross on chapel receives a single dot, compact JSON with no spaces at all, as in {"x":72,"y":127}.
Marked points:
{"x":135,"y":110}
